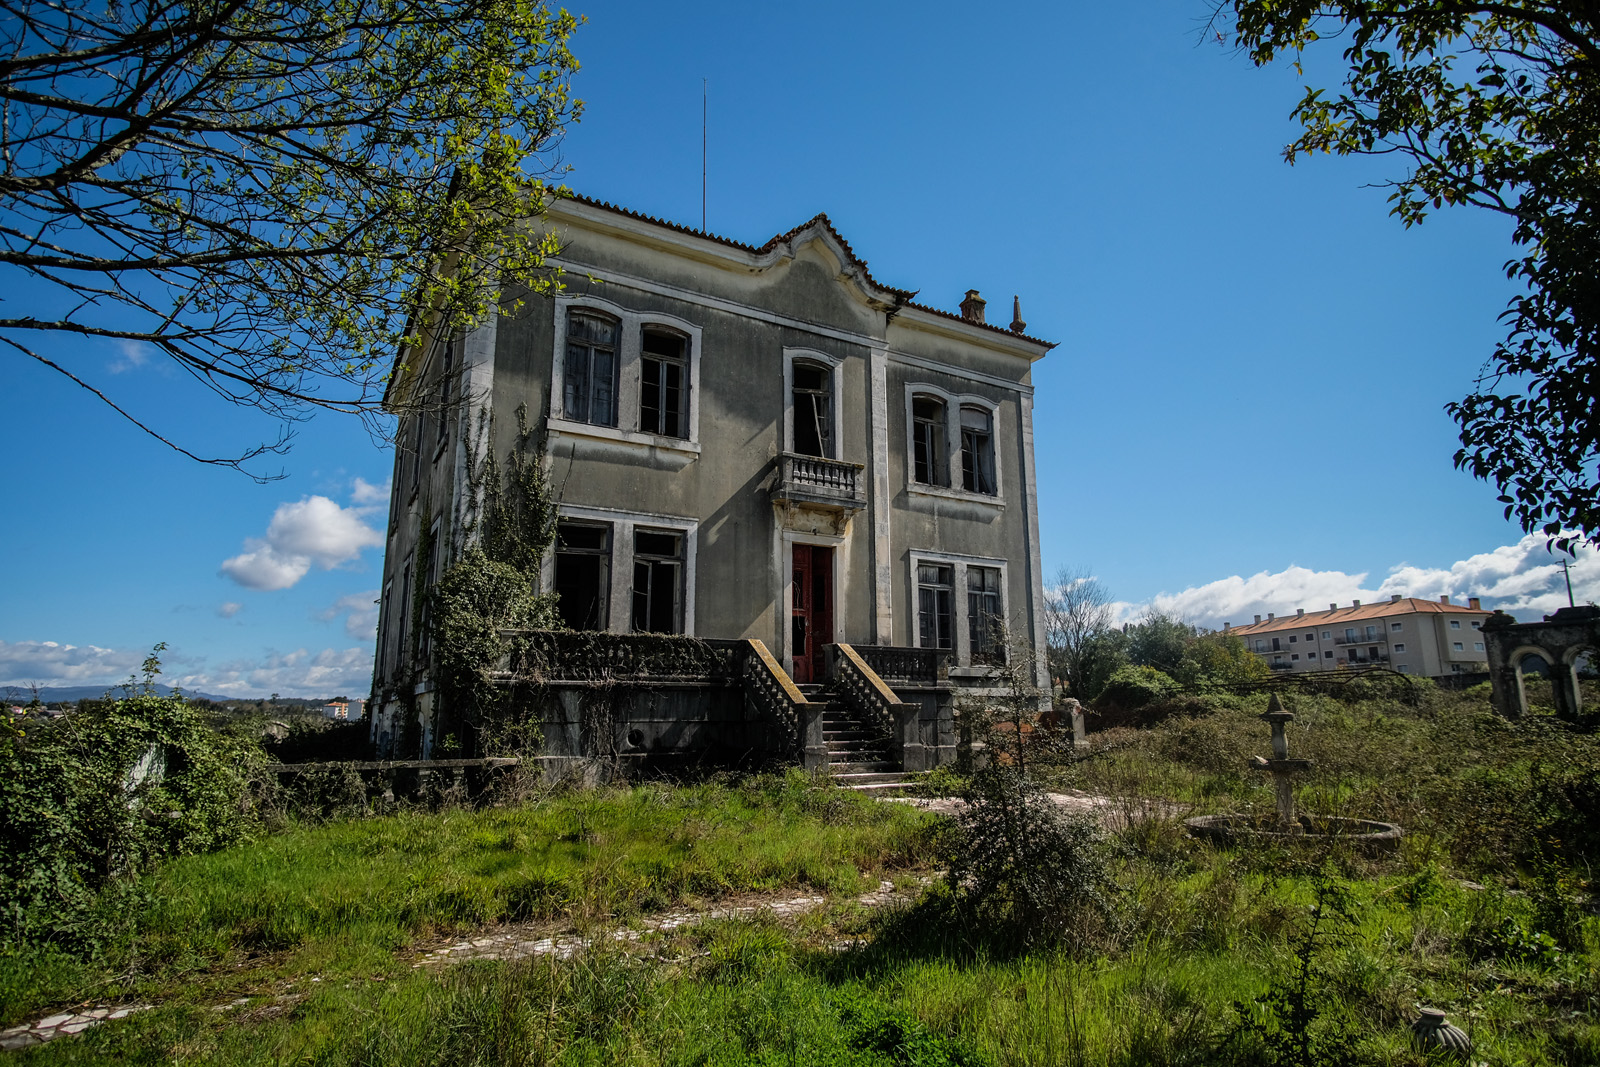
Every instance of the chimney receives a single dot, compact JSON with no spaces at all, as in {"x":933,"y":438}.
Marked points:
{"x":1333,"y":607}
{"x":1258,"y":619}
{"x":1394,"y":599}
{"x":1445,"y":599}
{"x":1474,"y":603}
{"x":972,"y":307}
{"x":1299,"y":612}
{"x":1226,"y":626}
{"x":1355,"y":603}
{"x":1270,"y":616}
{"x":1017,"y":325}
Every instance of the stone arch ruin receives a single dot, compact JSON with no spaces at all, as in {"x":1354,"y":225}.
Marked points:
{"x":1562,"y":640}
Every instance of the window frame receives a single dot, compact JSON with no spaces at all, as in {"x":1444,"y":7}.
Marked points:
{"x":961,"y":636}
{"x":663,"y":360}
{"x":953,"y":403}
{"x":603,"y":605}
{"x":833,"y":367}
{"x":619,"y":600}
{"x":630,"y":370}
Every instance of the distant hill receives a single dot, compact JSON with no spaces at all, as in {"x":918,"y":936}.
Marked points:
{"x":17,"y":694}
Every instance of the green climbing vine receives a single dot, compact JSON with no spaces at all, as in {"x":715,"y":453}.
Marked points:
{"x":509,"y":521}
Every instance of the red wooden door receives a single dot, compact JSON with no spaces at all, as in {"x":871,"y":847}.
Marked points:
{"x":811,"y":611}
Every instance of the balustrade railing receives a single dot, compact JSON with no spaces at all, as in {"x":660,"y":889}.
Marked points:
{"x":859,"y":685}
{"x":561,"y":655}
{"x":911,"y":666}
{"x":818,"y":480}
{"x":768,"y":687}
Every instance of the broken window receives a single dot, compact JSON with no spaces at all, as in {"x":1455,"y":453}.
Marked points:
{"x":589,"y":376}
{"x":935,"y":605}
{"x":930,"y":459}
{"x":985,"y":623}
{"x":813,"y":409}
{"x":977,"y":451}
{"x":658,"y":581}
{"x":583,"y":574}
{"x":664,"y":384}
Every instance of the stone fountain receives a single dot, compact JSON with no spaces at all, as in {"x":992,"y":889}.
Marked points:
{"x":1287,"y":826}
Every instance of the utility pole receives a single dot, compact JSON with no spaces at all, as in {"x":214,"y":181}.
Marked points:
{"x":1565,"y":570}
{"x":704,"y":94}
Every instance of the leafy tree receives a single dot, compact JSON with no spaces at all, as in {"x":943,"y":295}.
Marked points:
{"x":1496,"y":105}
{"x":1216,"y":658}
{"x":271,"y":195}
{"x":1160,"y":641}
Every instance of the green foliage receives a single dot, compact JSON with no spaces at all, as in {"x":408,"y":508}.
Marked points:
{"x":1018,"y":859}
{"x":1493,"y":105}
{"x":268,"y":193}
{"x":99,"y":797}
{"x":1135,"y":686}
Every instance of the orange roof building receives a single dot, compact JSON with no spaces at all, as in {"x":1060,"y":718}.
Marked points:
{"x":1404,"y":634}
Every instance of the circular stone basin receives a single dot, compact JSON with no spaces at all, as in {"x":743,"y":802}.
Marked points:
{"x":1365,"y":834}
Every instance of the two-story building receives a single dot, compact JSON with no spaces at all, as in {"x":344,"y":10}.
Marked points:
{"x":744,"y":442}
{"x":1403,"y":634}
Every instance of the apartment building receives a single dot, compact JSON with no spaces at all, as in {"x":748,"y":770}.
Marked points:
{"x":1404,"y":634}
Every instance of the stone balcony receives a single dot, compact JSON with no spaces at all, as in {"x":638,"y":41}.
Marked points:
{"x":818,"y":484}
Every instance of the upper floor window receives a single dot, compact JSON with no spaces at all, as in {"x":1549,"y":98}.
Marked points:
{"x":589,"y":373}
{"x":664,"y":383}
{"x":929,"y":457}
{"x":447,"y":366}
{"x":813,"y":408}
{"x":1455,"y":624}
{"x":977,"y":451}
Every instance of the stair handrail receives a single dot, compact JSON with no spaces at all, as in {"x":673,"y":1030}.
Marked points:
{"x":770,"y":691}
{"x":859,"y":685}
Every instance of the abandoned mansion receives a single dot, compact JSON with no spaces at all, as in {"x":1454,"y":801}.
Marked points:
{"x":828,"y":484}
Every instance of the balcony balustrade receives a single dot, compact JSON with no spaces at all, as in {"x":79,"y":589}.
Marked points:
{"x":815,"y":482}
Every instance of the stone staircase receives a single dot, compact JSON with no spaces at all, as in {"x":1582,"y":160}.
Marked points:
{"x":857,"y":758}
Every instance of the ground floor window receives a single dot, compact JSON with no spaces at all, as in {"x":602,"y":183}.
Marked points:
{"x":658,"y":581}
{"x":935,"y":606}
{"x":985,"y":619}
{"x":583,"y":574}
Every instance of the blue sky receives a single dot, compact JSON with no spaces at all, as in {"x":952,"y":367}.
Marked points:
{"x":1245,"y":412}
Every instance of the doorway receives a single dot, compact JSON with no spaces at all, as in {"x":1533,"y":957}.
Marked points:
{"x":811,"y":611}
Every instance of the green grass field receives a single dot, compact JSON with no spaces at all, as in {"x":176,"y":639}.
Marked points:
{"x":318,"y":926}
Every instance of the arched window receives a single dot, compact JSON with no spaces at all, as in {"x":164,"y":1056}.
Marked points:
{"x":977,"y":451}
{"x":589,"y":375}
{"x":664,"y":383}
{"x":930,"y":463}
{"x":813,"y":409}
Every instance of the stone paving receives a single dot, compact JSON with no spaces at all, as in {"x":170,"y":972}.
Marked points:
{"x":63,"y":1024}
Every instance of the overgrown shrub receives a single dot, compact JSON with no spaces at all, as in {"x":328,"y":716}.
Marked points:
{"x":1134,"y":687}
{"x":97,"y":797}
{"x":1017,"y":858}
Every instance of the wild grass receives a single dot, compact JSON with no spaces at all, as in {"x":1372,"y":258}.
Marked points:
{"x":1207,"y":951}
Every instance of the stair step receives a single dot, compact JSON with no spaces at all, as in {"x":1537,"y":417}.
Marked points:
{"x":847,"y":735}
{"x":855,"y":769}
{"x":881,"y":787}
{"x":855,"y":778}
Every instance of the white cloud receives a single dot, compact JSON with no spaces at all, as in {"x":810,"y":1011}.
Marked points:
{"x":229,"y":609}
{"x":364,"y":493}
{"x":1524,"y":579}
{"x":47,"y":663}
{"x":313,"y":530}
{"x":131,"y":355}
{"x":300,"y":673}
{"x":360,"y":611}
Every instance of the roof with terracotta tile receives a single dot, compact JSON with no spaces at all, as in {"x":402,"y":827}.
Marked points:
{"x":903,"y":296}
{"x":1383,"y":609}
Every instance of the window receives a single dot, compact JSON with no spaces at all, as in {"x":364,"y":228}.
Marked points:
{"x":1477,"y":646}
{"x":977,"y":451}
{"x":1293,"y":639}
{"x":1328,"y":654}
{"x":1295,"y":656}
{"x":1477,"y":625}
{"x":428,"y":576}
{"x":1261,"y":646}
{"x":418,"y":435}
{"x":1455,"y":624}
{"x":384,"y":617}
{"x":589,"y":373}
{"x":1349,"y":633}
{"x":657,"y":581}
{"x":663,"y":383}
{"x":1457,"y":646}
{"x":1400,"y":646}
{"x":1372,"y":631}
{"x":1311,"y":637}
{"x":935,"y":592}
{"x":583,"y":574}
{"x":1394,"y":627}
{"x":1402,"y":668}
{"x":929,"y":457}
{"x":1326,"y":635}
{"x":985,"y":621}
{"x":402,"y":654}
{"x":813,"y":409}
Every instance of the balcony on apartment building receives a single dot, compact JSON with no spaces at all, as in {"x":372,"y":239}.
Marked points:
{"x":815,"y":482}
